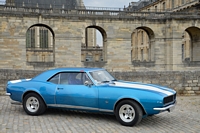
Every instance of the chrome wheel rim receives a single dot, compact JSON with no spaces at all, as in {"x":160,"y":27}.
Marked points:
{"x":32,"y":104}
{"x":127,"y":113}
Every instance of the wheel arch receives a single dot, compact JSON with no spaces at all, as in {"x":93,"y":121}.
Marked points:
{"x":143,"y":110}
{"x":31,"y":91}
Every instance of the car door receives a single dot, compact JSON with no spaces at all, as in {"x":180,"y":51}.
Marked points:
{"x":72,"y":93}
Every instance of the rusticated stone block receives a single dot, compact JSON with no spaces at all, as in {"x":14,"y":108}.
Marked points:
{"x":188,"y":88}
{"x":189,"y":82}
{"x":195,"y":88}
{"x":195,"y":81}
{"x":188,"y":92}
{"x":197,"y":92}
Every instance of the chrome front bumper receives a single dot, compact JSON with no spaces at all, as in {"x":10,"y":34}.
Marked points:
{"x":168,"y":108}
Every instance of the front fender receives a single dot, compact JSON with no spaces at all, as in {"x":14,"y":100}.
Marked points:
{"x":129,"y":98}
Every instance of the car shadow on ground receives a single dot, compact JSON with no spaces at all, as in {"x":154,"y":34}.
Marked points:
{"x":163,"y":119}
{"x":80,"y":115}
{"x":160,"y":119}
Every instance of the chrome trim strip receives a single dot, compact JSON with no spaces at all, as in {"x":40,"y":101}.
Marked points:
{"x":72,"y":107}
{"x":106,"y":110}
{"x":8,"y":94}
{"x":79,"y":107}
{"x":165,"y":108}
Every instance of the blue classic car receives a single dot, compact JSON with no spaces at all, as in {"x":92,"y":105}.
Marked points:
{"x":91,"y":89}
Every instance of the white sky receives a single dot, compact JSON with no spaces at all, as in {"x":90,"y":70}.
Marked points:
{"x":107,"y":3}
{"x":103,"y":3}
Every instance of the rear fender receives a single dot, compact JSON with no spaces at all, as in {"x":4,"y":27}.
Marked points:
{"x":32,"y":91}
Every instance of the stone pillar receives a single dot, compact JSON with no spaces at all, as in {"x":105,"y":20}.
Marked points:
{"x":83,"y":56}
{"x":176,"y":45}
{"x":187,"y":47}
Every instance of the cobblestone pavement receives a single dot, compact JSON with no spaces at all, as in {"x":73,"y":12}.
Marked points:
{"x":184,"y":119}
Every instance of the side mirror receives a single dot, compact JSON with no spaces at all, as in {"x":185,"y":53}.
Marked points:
{"x":87,"y":83}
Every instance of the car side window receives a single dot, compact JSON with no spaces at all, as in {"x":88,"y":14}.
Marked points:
{"x":70,"y":78}
{"x":64,"y":78}
{"x":86,"y":78}
{"x":55,"y":79}
{"x":75,"y":78}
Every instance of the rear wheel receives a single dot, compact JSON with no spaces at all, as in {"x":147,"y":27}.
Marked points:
{"x":128,"y":113}
{"x":33,"y":104}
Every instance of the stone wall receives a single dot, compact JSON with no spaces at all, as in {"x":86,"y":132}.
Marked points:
{"x":11,"y":74}
{"x":185,"y":82}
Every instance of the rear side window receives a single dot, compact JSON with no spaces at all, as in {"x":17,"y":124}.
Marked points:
{"x":55,"y":79}
{"x":75,"y":78}
{"x":64,"y":78}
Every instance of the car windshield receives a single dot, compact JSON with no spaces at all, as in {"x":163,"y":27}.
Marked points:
{"x":102,"y":76}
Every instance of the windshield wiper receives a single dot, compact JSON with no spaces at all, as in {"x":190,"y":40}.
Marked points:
{"x":105,"y":81}
{"x":111,"y":82}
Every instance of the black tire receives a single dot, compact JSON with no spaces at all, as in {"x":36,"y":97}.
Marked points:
{"x":128,"y":113}
{"x":33,"y":104}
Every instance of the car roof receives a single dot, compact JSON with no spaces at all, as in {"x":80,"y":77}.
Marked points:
{"x":44,"y":76}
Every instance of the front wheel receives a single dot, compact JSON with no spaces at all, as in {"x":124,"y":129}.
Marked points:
{"x":33,"y":104}
{"x":128,"y":113}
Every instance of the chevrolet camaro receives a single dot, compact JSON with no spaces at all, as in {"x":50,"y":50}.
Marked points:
{"x":91,"y":89}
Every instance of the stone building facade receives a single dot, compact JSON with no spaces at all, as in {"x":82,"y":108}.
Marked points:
{"x":134,"y":41}
{"x":44,"y":38}
{"x":143,"y":46}
{"x":163,"y":5}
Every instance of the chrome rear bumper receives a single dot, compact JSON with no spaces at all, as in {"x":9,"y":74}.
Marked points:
{"x":16,"y":103}
{"x":8,"y":94}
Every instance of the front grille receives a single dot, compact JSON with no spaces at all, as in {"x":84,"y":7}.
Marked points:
{"x":169,"y":99}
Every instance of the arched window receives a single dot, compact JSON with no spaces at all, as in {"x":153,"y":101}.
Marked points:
{"x":30,"y":38}
{"x":164,"y":6}
{"x":156,"y":9}
{"x":94,"y":46}
{"x":44,"y":38}
{"x":173,"y":4}
{"x":191,"y":39}
{"x":40,"y":45}
{"x":186,"y":47}
{"x":142,"y":46}
{"x":183,"y":1}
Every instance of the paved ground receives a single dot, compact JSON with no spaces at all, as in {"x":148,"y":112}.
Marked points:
{"x":184,"y":119}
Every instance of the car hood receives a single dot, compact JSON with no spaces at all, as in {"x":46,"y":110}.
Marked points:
{"x":142,"y":86}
